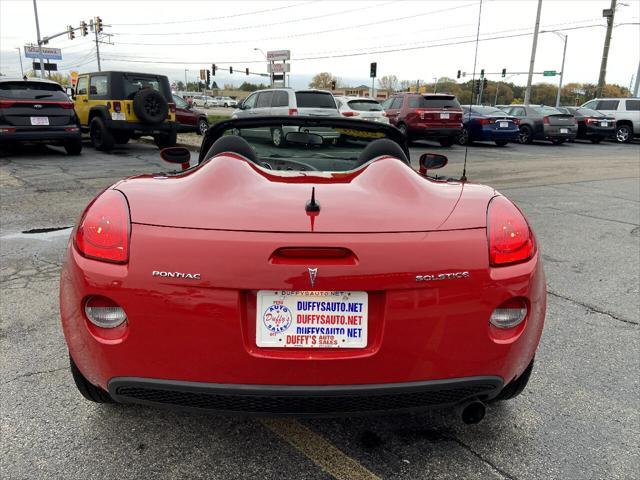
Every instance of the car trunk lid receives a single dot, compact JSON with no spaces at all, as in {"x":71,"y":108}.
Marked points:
{"x":230,"y":193}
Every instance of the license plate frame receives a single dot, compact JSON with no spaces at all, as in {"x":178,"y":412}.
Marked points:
{"x":118,"y":116}
{"x":564,"y":130}
{"x":445,"y":116}
{"x":312,"y":319}
{"x":40,"y":121}
{"x":504,"y":125}
{"x":604,"y":123}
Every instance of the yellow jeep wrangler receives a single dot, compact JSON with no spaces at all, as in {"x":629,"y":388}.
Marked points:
{"x":114,"y":107}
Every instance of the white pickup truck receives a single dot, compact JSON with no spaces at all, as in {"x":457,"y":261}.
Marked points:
{"x":626,"y":111}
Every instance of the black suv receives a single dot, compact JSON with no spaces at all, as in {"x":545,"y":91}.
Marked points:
{"x":36,"y":110}
{"x":117,"y":106}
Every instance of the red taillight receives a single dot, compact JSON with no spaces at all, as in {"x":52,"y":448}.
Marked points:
{"x":293,"y":111}
{"x":66,"y":105}
{"x":350,"y":114}
{"x":172,"y":107}
{"x":7,"y":130}
{"x":6,"y":104}
{"x":545,"y":120}
{"x":117,"y":107}
{"x":515,"y":121}
{"x":484,"y":121}
{"x":510,"y":238}
{"x":103,"y":233}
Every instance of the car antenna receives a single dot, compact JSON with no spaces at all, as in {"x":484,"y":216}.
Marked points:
{"x":312,"y":205}
{"x":463,"y":178}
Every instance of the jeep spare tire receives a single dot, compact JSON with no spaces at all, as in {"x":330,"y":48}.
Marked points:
{"x":150,"y":106}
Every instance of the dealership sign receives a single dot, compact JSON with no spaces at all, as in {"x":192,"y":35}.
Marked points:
{"x":278,"y":55}
{"x":278,"y":67}
{"x":33,"y":51}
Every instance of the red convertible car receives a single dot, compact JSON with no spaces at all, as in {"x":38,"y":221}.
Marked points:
{"x":326,"y":277}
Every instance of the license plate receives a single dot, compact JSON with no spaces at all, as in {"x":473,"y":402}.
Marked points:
{"x":39,"y":120}
{"x":564,"y":130}
{"x":604,"y":124}
{"x":117,"y":116}
{"x":504,"y":124}
{"x":444,"y":115}
{"x":309,"y":319}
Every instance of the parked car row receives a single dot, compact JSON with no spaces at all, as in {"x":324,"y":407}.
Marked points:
{"x":114,"y":107}
{"x":200,"y":100}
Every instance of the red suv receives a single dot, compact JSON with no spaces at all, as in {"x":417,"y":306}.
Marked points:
{"x":426,"y":116}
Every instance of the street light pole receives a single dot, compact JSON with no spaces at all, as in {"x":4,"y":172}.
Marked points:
{"x":564,"y":54}
{"x":527,"y":93}
{"x":20,"y":57}
{"x":185,"y":80}
{"x":435,"y":85}
{"x":35,"y":11}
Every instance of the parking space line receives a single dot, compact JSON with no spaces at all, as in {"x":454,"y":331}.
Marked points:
{"x":319,"y":450}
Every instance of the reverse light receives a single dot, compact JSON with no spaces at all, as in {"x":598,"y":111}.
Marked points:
{"x":104,"y":312}
{"x":509,"y":314}
{"x":103,"y":232}
{"x":510,"y":238}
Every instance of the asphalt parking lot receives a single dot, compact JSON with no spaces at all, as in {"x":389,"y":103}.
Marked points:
{"x":579,"y":417}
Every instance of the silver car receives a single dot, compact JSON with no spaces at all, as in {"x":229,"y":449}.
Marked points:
{"x":540,"y":122}
{"x":286,"y":101}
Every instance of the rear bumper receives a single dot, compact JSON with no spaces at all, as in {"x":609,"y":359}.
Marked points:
{"x":142,"y":128}
{"x":52,"y":134}
{"x":420,"y":130}
{"x":604,"y":132}
{"x":553,"y":132}
{"x":490,"y":134}
{"x":306,"y":400}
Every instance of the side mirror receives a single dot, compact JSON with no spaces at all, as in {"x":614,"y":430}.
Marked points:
{"x":176,"y":155}
{"x":432,"y":161}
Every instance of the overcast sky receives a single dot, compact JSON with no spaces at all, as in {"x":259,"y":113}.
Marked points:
{"x":410,"y":39}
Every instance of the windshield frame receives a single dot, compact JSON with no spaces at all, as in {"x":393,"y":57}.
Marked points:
{"x":218,"y":129}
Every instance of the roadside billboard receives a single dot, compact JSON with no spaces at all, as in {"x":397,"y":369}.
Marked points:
{"x":33,"y":51}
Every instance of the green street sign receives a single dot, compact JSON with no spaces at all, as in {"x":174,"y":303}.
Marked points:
{"x":550,"y":73}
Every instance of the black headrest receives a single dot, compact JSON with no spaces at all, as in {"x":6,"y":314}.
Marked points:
{"x":233,"y":144}
{"x":380,"y":147}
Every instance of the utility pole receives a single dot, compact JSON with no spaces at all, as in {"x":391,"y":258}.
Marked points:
{"x":35,"y":11}
{"x":527,"y":93}
{"x":637,"y":84}
{"x":495,"y":102}
{"x":608,"y":14}
{"x":20,"y":57}
{"x":97,"y":26}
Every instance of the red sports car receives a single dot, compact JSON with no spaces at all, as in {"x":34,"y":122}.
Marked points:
{"x":324,"y":276}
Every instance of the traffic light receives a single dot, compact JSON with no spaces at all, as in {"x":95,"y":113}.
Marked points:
{"x":231,"y":70}
{"x":247,"y":71}
{"x":213,"y":69}
{"x":504,"y":72}
{"x":459,"y":73}
{"x":72,"y":34}
{"x":83,"y":28}
{"x":208,"y":77}
{"x":333,"y":84}
{"x":482,"y":73}
{"x":476,"y":86}
{"x":484,"y":84}
{"x":98,"y":24}
{"x":374,"y":69}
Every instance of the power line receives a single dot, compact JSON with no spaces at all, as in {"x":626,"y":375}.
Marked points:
{"x":224,"y":17}
{"x":306,"y":34}
{"x":383,"y":50}
{"x":253,"y":26}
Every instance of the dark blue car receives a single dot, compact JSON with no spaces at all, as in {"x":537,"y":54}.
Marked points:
{"x":487,"y":124}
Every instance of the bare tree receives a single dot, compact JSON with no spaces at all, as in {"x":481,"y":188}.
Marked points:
{"x":405,"y":84}
{"x":322,"y":80}
{"x":388,"y":82}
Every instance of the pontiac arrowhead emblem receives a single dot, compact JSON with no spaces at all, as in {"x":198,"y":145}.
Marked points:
{"x":313,"y":273}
